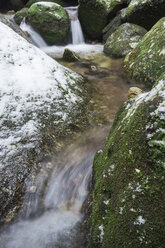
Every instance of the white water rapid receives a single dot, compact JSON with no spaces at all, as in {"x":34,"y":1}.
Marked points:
{"x":76,"y":30}
{"x":52,"y":208}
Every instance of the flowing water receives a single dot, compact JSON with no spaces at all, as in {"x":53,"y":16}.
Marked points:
{"x":52,"y":211}
{"x":76,"y":30}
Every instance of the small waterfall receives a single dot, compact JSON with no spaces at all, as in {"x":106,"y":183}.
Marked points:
{"x":35,"y":37}
{"x":76,"y":30}
{"x":52,"y":210}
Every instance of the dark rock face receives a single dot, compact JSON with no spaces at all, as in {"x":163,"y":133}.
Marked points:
{"x":129,"y":186}
{"x":147,"y":61}
{"x":114,"y":24}
{"x":50,"y":20}
{"x":6,"y":5}
{"x":93,"y":16}
{"x":145,"y":13}
{"x":123,"y":40}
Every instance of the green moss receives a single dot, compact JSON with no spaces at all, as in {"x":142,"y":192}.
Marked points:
{"x":51,"y":22}
{"x":128,"y":182}
{"x":147,"y":61}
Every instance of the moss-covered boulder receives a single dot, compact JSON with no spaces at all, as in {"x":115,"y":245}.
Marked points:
{"x":147,"y":61}
{"x":20,"y":15}
{"x":114,"y":24}
{"x":145,"y":12}
{"x":123,"y":40}
{"x":70,"y":56}
{"x":128,"y":181}
{"x":60,"y":2}
{"x":93,"y":15}
{"x":50,"y":20}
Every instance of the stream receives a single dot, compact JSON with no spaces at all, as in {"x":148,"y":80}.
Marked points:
{"x":53,"y":207}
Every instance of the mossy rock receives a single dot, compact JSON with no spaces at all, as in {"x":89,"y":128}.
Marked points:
{"x":60,"y":2}
{"x":123,"y":40}
{"x":50,"y":20}
{"x":70,"y":56}
{"x":145,"y":12}
{"x":20,"y":15}
{"x":128,"y":177}
{"x":114,"y":24}
{"x":147,"y":61}
{"x":93,"y":15}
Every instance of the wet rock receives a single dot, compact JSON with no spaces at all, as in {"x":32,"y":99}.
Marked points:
{"x":20,"y":15}
{"x":50,"y":20}
{"x":123,"y":40}
{"x":128,"y":176}
{"x":133,"y":92}
{"x":114,"y":24}
{"x":145,"y":12}
{"x":147,"y":61}
{"x":93,"y":16}
{"x":70,"y":56}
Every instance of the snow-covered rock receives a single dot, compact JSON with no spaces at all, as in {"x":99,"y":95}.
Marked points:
{"x":38,"y":99}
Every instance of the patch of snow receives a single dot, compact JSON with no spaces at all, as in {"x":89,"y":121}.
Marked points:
{"x":139,"y":221}
{"x":101,"y":232}
{"x":47,"y":4}
{"x":31,"y":85}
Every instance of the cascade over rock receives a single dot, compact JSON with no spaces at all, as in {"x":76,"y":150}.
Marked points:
{"x":147,"y":61}
{"x":50,"y":20}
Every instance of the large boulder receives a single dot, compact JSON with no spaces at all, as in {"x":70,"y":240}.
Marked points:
{"x":145,"y":13}
{"x":147,"y":61}
{"x":128,"y":179}
{"x":41,"y":101}
{"x":123,"y":40}
{"x":50,"y":20}
{"x":93,"y":15}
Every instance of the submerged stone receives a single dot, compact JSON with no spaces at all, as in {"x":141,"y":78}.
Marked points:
{"x":123,"y":40}
{"x":147,"y":61}
{"x":145,"y":12}
{"x":50,"y":20}
{"x":70,"y":56}
{"x":128,"y":176}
